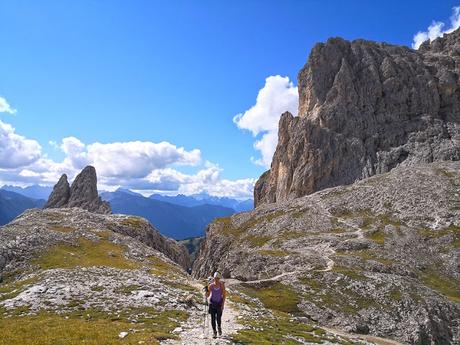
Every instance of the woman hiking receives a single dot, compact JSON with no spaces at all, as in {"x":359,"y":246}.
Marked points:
{"x":216,"y":303}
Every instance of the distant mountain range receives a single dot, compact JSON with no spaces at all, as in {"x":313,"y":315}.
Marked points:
{"x":205,"y":199}
{"x":173,"y":220}
{"x":13,"y":204}
{"x":34,"y":192}
{"x":179,"y":216}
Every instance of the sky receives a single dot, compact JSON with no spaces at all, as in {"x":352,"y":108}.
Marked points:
{"x":170,"y":96}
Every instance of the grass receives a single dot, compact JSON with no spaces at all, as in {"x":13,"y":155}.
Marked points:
{"x":447,"y":286}
{"x":368,"y":255}
{"x":272,"y":252}
{"x":435,"y":234}
{"x":275,"y":296}
{"x":134,"y":222}
{"x":338,"y":296}
{"x":355,"y":274}
{"x":12,"y":289}
{"x":91,"y":327}
{"x":283,"y":330}
{"x":257,"y":241}
{"x":63,"y":229}
{"x":374,"y":223}
{"x":228,"y":229}
{"x":162,"y":268}
{"x":445,"y":173}
{"x":126,"y":290}
{"x":86,"y":254}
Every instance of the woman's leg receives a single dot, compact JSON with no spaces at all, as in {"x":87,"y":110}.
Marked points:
{"x":213,"y":318}
{"x":219,"y":320}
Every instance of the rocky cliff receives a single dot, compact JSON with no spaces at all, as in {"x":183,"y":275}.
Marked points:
{"x":83,"y":193}
{"x":365,"y":108}
{"x":380,"y":256}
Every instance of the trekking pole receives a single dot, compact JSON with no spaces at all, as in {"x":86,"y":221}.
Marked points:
{"x":205,"y":317}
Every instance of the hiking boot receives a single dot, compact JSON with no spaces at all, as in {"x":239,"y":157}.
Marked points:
{"x":220,"y":331}
{"x":215,"y":335}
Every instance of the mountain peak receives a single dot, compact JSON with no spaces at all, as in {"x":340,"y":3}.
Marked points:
{"x":364,"y":108}
{"x":83,"y":193}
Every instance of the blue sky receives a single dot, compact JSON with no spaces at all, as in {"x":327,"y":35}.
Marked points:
{"x":175,"y":71}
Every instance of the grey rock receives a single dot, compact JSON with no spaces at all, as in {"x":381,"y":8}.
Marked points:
{"x":60,"y":195}
{"x":83,"y":193}
{"x":379,"y":256}
{"x":365,"y":108}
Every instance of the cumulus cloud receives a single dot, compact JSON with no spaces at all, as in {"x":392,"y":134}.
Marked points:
{"x":5,"y":107}
{"x":277,"y":96}
{"x":138,"y":165}
{"x":15,"y":150}
{"x":436,"y":29}
{"x":137,"y":158}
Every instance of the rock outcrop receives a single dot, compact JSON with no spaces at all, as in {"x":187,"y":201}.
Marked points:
{"x":365,"y":108}
{"x":60,"y":195}
{"x":380,"y":256}
{"x":63,"y":267}
{"x":83,"y":193}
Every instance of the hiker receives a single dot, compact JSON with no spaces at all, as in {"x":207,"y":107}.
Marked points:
{"x":216,"y":303}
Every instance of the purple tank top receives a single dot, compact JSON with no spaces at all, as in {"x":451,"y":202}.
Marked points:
{"x":216,"y":294}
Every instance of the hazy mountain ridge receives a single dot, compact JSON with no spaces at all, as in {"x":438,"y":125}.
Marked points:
{"x":13,"y":204}
{"x":172,"y":220}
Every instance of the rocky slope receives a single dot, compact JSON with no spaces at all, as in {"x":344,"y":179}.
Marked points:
{"x":62,"y":267}
{"x":380,"y":256}
{"x":365,"y":108}
{"x":83,"y":193}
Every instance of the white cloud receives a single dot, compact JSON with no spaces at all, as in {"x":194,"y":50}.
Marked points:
{"x":137,"y":158}
{"x":5,"y":107}
{"x":15,"y":150}
{"x":138,"y":165}
{"x":435,"y":30}
{"x":277,"y":96}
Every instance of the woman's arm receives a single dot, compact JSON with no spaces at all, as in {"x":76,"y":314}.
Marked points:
{"x":224,"y":294}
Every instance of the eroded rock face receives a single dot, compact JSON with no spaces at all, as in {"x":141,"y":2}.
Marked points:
{"x":365,"y":108}
{"x":60,"y":195}
{"x":83,"y":193}
{"x":378,"y":256}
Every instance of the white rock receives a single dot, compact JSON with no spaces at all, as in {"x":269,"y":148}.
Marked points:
{"x":122,"y":335}
{"x":177,"y":330}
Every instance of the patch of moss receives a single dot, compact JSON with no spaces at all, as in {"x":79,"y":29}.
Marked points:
{"x":257,"y":241}
{"x":272,"y":252}
{"x":91,"y":327}
{"x":162,"y":268}
{"x":180,"y":286}
{"x":447,"y":286}
{"x":126,"y":290}
{"x":395,"y":295}
{"x":355,"y":274}
{"x":134,"y":222}
{"x":97,"y":288}
{"x":275,"y":296}
{"x":446,"y":173}
{"x":368,"y":255}
{"x":63,"y":229}
{"x":13,"y":289}
{"x":280,"y":329}
{"x":85,"y":254}
{"x":435,"y":234}
{"x":273,"y":215}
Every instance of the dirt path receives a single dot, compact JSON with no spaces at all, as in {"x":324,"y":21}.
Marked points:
{"x":369,"y":338}
{"x":198,"y":331}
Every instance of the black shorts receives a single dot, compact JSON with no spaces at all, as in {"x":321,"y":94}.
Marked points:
{"x":215,"y":308}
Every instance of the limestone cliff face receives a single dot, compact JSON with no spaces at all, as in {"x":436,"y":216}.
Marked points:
{"x":83,"y":193}
{"x":364,"y":108}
